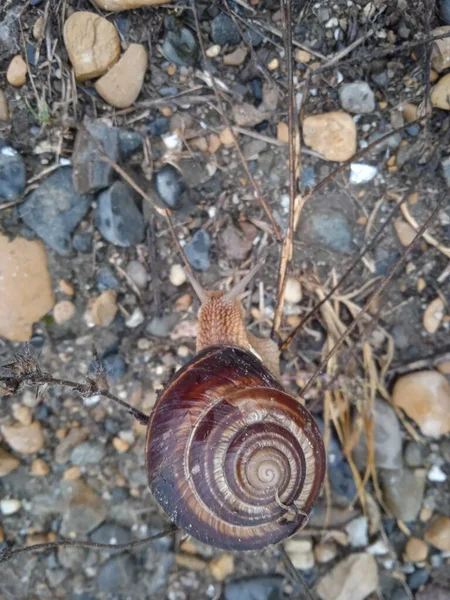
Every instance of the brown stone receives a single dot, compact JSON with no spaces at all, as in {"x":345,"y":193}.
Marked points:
{"x":102,"y":309}
{"x":39,"y":29}
{"x":433,"y":315}
{"x":352,"y":579}
{"x":121,"y":86}
{"x":222,"y":566}
{"x":26,"y":439}
{"x":416,"y":550}
{"x":26,"y":288}
{"x":4,"y":110}
{"x":425,"y":397}
{"x":441,"y":50}
{"x":39,"y":468}
{"x":8,"y":463}
{"x":440,"y":94}
{"x":332,"y":134}
{"x":438,"y":533}
{"x":16,"y":74}
{"x":283,"y":132}
{"x":117,"y":5}
{"x":92,"y":43}
{"x":405,"y":232}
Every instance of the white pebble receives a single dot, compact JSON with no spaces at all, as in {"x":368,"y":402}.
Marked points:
{"x":293,"y":293}
{"x":357,"y":531}
{"x":360,"y":173}
{"x":213,"y":51}
{"x":436,"y":474}
{"x":378,"y":548}
{"x":177,"y":275}
{"x":135,"y":319}
{"x":9,"y":507}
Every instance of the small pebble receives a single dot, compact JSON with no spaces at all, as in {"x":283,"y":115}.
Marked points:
{"x":63,"y":311}
{"x":325,"y":552}
{"x":13,"y":175}
{"x":177,"y":275}
{"x":197,"y":250}
{"x":26,"y":439}
{"x":4,"y":109}
{"x":293,"y":291}
{"x":416,"y":550}
{"x":8,"y":463}
{"x":301,"y":554}
{"x":120,"y":445}
{"x":72,"y":473}
{"x":213,"y":51}
{"x":222,"y":566}
{"x":102,"y":310}
{"x":22,"y":414}
{"x":135,"y":319}
{"x":436,"y":474}
{"x":360,"y":173}
{"x":10,"y":507}
{"x":39,"y":468}
{"x":437,"y":533}
{"x":138,"y":274}
{"x":358,"y":533}
{"x":16,"y":74}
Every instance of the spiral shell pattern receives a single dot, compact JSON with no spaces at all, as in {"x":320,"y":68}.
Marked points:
{"x":231,"y":458}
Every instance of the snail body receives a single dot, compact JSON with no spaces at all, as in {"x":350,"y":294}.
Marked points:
{"x":232,"y":458}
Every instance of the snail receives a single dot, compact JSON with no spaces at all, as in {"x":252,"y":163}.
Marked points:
{"x":232,"y":458}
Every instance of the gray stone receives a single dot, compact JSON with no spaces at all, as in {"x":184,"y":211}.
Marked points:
{"x":138,"y":274}
{"x":54,"y":210}
{"x":84,"y":510}
{"x":445,"y":163}
{"x":224,"y":31}
{"x":9,"y":32}
{"x":90,"y":172}
{"x":181,"y":47}
{"x":357,"y":97}
{"x":403,"y":491}
{"x":87,"y":453}
{"x":170,"y":186}
{"x":82,"y":242}
{"x":114,"y":365}
{"x":358,"y":532}
{"x":13,"y":176}
{"x":161,"y":326}
{"x":117,"y":574}
{"x":158,"y":126}
{"x":444,"y":11}
{"x":129,"y":143}
{"x":267,"y":587}
{"x":415,"y":454}
{"x":106,"y":280}
{"x":117,"y":217}
{"x":329,"y":228}
{"x":387,"y":438}
{"x":197,"y":250}
{"x":71,"y":558}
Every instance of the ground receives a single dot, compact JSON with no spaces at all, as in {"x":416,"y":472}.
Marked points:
{"x":96,"y":481}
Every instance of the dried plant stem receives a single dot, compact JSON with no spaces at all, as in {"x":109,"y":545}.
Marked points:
{"x":378,"y":291}
{"x":7,"y":553}
{"x":294,"y":167}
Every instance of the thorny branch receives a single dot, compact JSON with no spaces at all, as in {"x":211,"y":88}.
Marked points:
{"x":25,"y":371}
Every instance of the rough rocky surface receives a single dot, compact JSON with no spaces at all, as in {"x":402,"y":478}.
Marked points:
{"x":131,"y":300}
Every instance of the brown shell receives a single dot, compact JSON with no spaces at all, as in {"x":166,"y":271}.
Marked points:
{"x":231,"y":458}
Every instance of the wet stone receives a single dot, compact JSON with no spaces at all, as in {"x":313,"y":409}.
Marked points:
{"x":224,"y":31}
{"x":54,"y":210}
{"x":117,"y":217}
{"x":197,"y":250}
{"x":13,"y":175}
{"x":170,"y":186}
{"x":181,"y":47}
{"x":90,"y":172}
{"x":255,"y":588}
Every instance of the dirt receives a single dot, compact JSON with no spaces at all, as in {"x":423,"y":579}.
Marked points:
{"x":320,"y":255}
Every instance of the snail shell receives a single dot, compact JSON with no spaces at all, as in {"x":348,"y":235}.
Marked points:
{"x":231,"y":457}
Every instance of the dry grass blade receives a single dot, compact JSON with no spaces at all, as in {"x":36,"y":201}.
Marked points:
{"x":378,"y":291}
{"x":294,"y":167}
